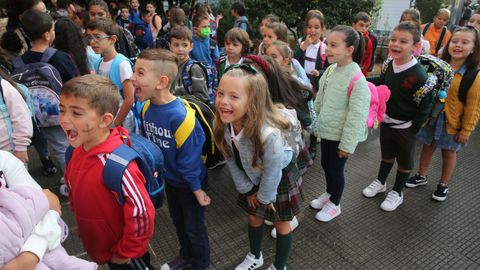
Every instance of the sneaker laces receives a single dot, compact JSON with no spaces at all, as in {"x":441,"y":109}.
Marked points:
{"x":249,"y":262}
{"x":392,"y":196}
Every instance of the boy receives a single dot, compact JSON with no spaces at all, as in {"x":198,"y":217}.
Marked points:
{"x":101,"y":36}
{"x":238,"y":13}
{"x":110,"y":232}
{"x":204,"y":50}
{"x":438,"y":35}
{"x":123,"y":20}
{"x":185,"y":174}
{"x":180,"y":43}
{"x":361,"y":22}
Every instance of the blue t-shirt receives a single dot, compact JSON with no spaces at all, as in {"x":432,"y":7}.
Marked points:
{"x":202,"y":52}
{"x":184,"y":166}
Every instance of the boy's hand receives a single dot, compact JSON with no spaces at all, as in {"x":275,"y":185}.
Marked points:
{"x":342,"y":154}
{"x":118,"y":260}
{"x":202,"y":197}
{"x":53,"y":201}
{"x":22,"y":155}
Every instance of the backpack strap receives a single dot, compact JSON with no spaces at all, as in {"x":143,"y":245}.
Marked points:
{"x":425,"y":29}
{"x":467,"y":80}
{"x":440,"y":39}
{"x":17,"y":62}
{"x":352,"y":83}
{"x":114,"y":73}
{"x":186,"y":127}
{"x":6,"y":117}
{"x":320,"y":56}
{"x":47,"y":54}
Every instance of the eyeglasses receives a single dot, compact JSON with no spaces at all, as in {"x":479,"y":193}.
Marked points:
{"x":96,"y":37}
{"x":245,"y":67}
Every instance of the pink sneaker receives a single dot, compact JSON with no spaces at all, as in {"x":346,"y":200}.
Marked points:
{"x":328,"y":212}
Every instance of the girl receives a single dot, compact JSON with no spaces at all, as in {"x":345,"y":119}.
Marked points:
{"x":475,"y":21}
{"x":310,"y":50}
{"x":247,"y":131}
{"x":271,"y":32}
{"x":153,"y":19}
{"x":341,"y":119}
{"x":135,"y":12}
{"x":413,"y":15}
{"x":451,"y":130}
{"x":270,"y":18}
{"x":237,"y":45}
{"x":69,"y":38}
{"x":403,"y":76}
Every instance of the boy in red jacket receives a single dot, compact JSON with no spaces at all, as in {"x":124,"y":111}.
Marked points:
{"x":111,"y":233}
{"x":361,"y":23}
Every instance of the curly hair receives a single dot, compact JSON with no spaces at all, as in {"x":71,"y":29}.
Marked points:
{"x":69,"y":38}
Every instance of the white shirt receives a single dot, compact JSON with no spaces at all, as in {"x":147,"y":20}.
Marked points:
{"x":400,"y":68}
{"x":311,"y":52}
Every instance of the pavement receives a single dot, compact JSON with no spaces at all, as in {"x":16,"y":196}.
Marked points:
{"x":420,"y":234}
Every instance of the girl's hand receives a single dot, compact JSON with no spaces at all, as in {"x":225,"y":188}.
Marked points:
{"x":459,"y":138}
{"x":252,"y":201}
{"x":315,"y":73}
{"x":22,"y":155}
{"x":271,"y":207}
{"x":202,"y":197}
{"x":219,"y":17}
{"x":342,"y":154}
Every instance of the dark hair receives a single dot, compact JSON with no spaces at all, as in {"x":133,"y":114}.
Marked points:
{"x":271,"y":18}
{"x":315,"y":14}
{"x":473,"y":59}
{"x":151,"y":2}
{"x":177,"y":17}
{"x":352,"y":38}
{"x":239,"y":35}
{"x":180,"y":32}
{"x":102,"y":4}
{"x":239,"y":8}
{"x":361,"y":16}
{"x":280,"y":30}
{"x":69,"y":38}
{"x":410,"y":27}
{"x":414,"y":13}
{"x":106,"y":25}
{"x":199,"y":18}
{"x":35,"y":23}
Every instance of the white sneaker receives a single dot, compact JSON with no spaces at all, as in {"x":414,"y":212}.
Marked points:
{"x":293,"y":225}
{"x":374,"y":188}
{"x":272,"y":267}
{"x":250,"y":262}
{"x":392,"y":201}
{"x":320,"y":202}
{"x":268,"y":222}
{"x":63,"y":189}
{"x":328,"y":212}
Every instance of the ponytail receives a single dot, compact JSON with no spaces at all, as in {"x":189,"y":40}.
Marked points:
{"x":355,"y":39}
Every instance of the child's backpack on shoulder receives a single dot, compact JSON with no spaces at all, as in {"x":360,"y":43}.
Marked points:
{"x":142,"y":33}
{"x":210,"y":75}
{"x":44,"y":83}
{"x":149,"y":159}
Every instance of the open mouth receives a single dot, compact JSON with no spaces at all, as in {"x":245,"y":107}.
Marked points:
{"x":71,"y":135}
{"x":225,"y":112}
{"x":395,"y":51}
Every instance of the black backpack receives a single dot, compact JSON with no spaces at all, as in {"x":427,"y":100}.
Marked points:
{"x":467,"y":80}
{"x":250,"y":32}
{"x":440,"y":39}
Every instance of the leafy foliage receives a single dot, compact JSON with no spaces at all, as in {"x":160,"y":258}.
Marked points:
{"x":428,"y":9}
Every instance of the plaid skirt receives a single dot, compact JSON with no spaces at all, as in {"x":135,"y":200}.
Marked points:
{"x":289,"y":197}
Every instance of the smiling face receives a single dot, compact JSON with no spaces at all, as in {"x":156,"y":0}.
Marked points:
{"x":461,"y":45}
{"x":232,"y":101}
{"x":401,"y":46}
{"x":268,"y":37}
{"x":145,"y":80}
{"x":81,"y":123}
{"x":314,"y":29}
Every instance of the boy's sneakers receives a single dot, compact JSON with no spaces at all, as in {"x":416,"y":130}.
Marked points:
{"x":176,"y":263}
{"x":250,"y":262}
{"x":374,"y":188}
{"x":293,"y":226}
{"x":272,"y":267}
{"x":48,"y":167}
{"x":320,"y":202}
{"x":392,"y":201}
{"x":441,"y":193}
{"x":416,"y":180}
{"x":268,"y":222}
{"x":328,"y":212}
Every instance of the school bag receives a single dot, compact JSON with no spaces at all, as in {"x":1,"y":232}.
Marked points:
{"x":467,"y":80}
{"x":440,"y":39}
{"x":196,"y":109}
{"x":142,"y":34}
{"x":249,"y":29}
{"x":44,"y":83}
{"x":149,"y":159}
{"x":210,"y":75}
{"x":126,"y":44}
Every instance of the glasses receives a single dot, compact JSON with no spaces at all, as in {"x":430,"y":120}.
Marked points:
{"x":245,"y":67}
{"x":96,"y":37}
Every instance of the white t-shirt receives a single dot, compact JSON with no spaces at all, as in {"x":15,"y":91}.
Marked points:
{"x":311,"y":52}
{"x":126,"y":71}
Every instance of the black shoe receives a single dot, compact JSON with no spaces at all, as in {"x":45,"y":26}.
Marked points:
{"x":48,"y":167}
{"x":441,"y":193}
{"x":416,"y":181}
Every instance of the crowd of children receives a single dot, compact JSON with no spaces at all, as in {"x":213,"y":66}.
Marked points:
{"x":95,"y":81}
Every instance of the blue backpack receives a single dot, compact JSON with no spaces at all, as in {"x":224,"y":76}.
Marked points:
{"x":149,"y":159}
{"x":210,"y":74}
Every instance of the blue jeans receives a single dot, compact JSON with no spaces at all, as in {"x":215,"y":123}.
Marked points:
{"x":189,"y":219}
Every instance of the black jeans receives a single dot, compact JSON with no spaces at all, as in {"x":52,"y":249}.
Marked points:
{"x":334,"y":169}
{"x":142,"y":263}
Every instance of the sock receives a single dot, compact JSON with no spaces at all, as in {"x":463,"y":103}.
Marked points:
{"x":400,"y":181}
{"x":283,"y":245}
{"x":384,"y":171}
{"x":255,"y":235}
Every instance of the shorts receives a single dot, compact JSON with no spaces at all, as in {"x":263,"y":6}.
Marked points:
{"x":399,"y":144}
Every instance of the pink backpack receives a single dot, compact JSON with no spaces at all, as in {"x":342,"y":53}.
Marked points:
{"x":379,"y":96}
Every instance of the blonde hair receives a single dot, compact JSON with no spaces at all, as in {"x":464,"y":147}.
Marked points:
{"x":444,"y":11}
{"x":283,"y":49}
{"x":260,"y":110}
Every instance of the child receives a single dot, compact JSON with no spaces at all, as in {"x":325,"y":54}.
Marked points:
{"x":69,"y":39}
{"x":204,"y":49}
{"x":185,"y":175}
{"x":15,"y":119}
{"x":247,"y":131}
{"x":102,"y":35}
{"x":361,"y":22}
{"x":271,"y":32}
{"x":281,"y":52}
{"x":475,"y":20}
{"x":180,"y":43}
{"x":123,"y":19}
{"x":310,"y":50}
{"x":270,"y":18}
{"x":110,"y":232}
{"x":153,"y":19}
{"x":438,"y":35}
{"x":340,"y":118}
{"x":451,"y":130}
{"x":237,"y":45}
{"x":238,"y":13}
{"x":404,"y":117}
{"x":413,"y":15}
{"x":135,"y":11}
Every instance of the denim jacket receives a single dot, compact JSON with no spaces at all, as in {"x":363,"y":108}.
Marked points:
{"x":273,"y":160}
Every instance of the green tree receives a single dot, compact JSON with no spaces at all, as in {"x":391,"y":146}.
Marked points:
{"x":428,"y":9}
